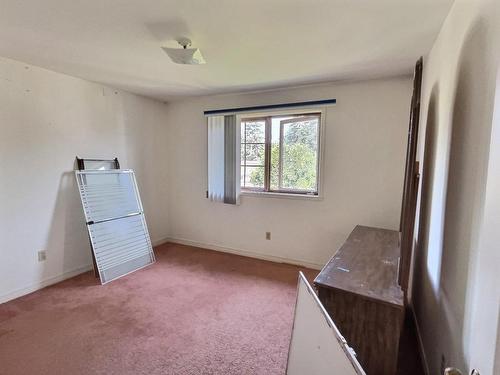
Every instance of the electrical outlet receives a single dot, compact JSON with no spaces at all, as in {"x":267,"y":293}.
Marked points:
{"x":42,"y":255}
{"x":268,"y":235}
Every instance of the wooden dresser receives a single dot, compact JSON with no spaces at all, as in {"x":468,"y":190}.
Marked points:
{"x":359,"y":289}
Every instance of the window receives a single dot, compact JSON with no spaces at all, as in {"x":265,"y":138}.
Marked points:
{"x":280,"y":153}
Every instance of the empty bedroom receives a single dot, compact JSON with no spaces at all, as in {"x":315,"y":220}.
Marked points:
{"x":250,"y":187}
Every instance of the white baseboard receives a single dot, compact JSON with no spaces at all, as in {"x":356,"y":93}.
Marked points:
{"x":246,"y":253}
{"x":159,"y":241}
{"x":44,"y":283}
{"x":420,"y":342}
{"x":68,"y":274}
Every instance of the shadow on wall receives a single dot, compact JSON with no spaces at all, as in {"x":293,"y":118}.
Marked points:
{"x":466,"y":187}
{"x":68,"y":247}
{"x":448,"y":301}
{"x":428,"y":173}
{"x":426,"y":301}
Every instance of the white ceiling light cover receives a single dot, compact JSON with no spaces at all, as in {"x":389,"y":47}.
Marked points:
{"x":185,"y":55}
{"x":188,"y":56}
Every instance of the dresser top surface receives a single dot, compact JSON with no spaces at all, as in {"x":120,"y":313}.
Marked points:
{"x":366,"y":265}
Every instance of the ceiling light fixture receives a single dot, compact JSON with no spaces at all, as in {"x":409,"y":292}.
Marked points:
{"x":185,"y":55}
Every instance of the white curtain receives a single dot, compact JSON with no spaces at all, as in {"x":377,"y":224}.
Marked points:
{"x":216,"y":158}
{"x":223,"y":159}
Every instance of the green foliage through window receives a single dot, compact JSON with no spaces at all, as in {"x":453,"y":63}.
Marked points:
{"x":295,"y":168}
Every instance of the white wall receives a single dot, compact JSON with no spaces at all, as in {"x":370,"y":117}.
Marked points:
{"x":456,"y":287}
{"x":363,"y":175}
{"x":46,"y":119}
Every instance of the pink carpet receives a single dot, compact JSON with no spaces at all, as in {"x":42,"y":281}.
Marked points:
{"x":193,"y":312}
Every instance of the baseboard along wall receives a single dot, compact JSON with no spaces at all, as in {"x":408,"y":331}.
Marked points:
{"x":245,"y":253}
{"x":44,"y":283}
{"x":68,"y":274}
{"x":420,"y":341}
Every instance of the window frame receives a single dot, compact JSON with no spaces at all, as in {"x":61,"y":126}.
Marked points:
{"x":285,"y":193}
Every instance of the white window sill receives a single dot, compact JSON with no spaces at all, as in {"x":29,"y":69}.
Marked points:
{"x":264,"y":194}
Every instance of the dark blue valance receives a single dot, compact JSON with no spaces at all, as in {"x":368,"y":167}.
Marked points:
{"x":270,"y":106}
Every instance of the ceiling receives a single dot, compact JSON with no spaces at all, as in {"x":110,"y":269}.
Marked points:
{"x":248,"y":44}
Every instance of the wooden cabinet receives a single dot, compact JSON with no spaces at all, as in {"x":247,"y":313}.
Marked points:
{"x":359,"y":289}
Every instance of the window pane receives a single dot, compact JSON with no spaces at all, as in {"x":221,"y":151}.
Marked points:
{"x":254,"y":177}
{"x":299,"y":155}
{"x":243,"y":154}
{"x":275,"y":151}
{"x":255,"y":155}
{"x":255,"y":132}
{"x":293,"y":163}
